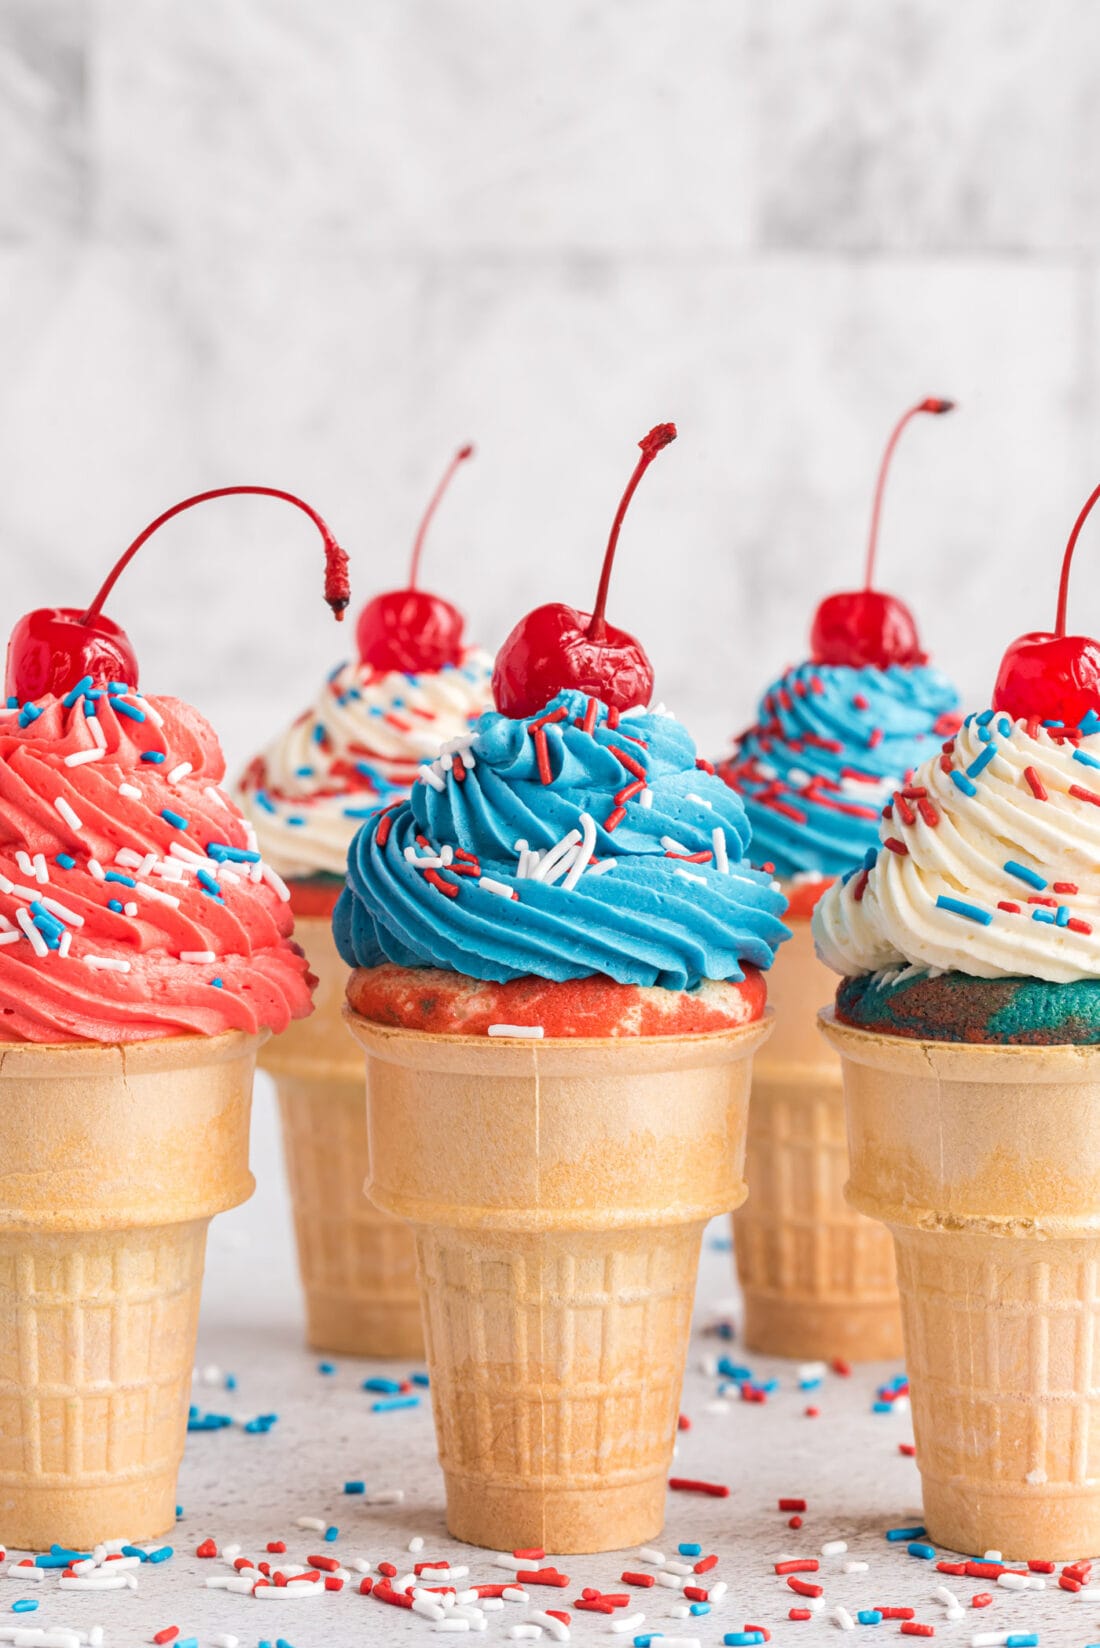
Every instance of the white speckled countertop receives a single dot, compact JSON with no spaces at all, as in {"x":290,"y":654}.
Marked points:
{"x":247,"y":1489}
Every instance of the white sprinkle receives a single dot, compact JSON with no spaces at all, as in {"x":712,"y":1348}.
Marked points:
{"x":215,"y":798}
{"x":843,"y":1618}
{"x":131,"y":790}
{"x":497,"y":887}
{"x":62,"y":910}
{"x":673,"y":1581}
{"x":648,"y":1554}
{"x":361,"y":1565}
{"x":429,"y":1608}
{"x":107,"y":964}
{"x":38,"y":943}
{"x":205,"y":957}
{"x":313,"y":1524}
{"x":989,"y":1639}
{"x":230,"y":1553}
{"x":96,"y":870}
{"x":93,"y":726}
{"x":684,"y":1568}
{"x":384,"y":1496}
{"x":277,"y":882}
{"x":80,"y":758}
{"x":700,"y":800}
{"x":156,"y":894}
{"x":604,"y":865}
{"x":587,"y":847}
{"x":645,"y":799}
{"x":68,"y":814}
{"x":1013,"y":1582}
{"x":23,"y":859}
{"x":66,"y":944}
{"x":717,"y":1592}
{"x":632,"y":1622}
{"x":671,"y":845}
{"x":227,"y":1641}
{"x":515,"y":1593}
{"x":834,"y":1547}
{"x":109,"y":1582}
{"x":530,"y":1032}
{"x":721,"y":856}
{"x":992,"y":1556}
{"x":523,"y":1633}
{"x":10,"y":937}
{"x":687,"y":875}
{"x":553,"y":855}
{"x":428,"y":775}
{"x":151,"y":710}
{"x":129,"y":908}
{"x":128,"y":858}
{"x":556,"y":1629}
{"x":187,"y":855}
{"x":39,"y":870}
{"x":855,"y":1567}
{"x":812,"y":1370}
{"x":180,"y":772}
{"x":451,"y":1622}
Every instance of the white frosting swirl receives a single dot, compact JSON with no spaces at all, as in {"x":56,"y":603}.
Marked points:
{"x":359,"y":747}
{"x":1005,"y":882}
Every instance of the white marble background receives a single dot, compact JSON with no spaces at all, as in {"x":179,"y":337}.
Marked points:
{"x":317,"y":243}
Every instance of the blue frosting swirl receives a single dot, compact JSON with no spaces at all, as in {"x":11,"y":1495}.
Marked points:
{"x":479,"y":904}
{"x":830,"y":745}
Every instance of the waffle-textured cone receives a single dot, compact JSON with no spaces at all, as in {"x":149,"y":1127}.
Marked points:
{"x":558,"y":1192}
{"x":985,"y":1163}
{"x":112,"y":1162}
{"x":358,"y":1264}
{"x":818,"y":1279}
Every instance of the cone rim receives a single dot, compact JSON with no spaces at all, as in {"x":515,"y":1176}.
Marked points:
{"x":974,"y":1061}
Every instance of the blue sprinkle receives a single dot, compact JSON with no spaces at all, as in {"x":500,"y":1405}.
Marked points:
{"x":326,"y":1367}
{"x":117,"y":686}
{"x":1022,"y":873}
{"x":219,"y":984}
{"x":89,"y":708}
{"x":690,"y":1550}
{"x":261,"y":1424}
{"x":296,"y":819}
{"x":742,"y":1639}
{"x":116,"y":875}
{"x":318,"y":734}
{"x":179,"y":1512}
{"x":985,"y":736}
{"x":895,"y":1384}
{"x":1023,"y":1639}
{"x":389,"y":1404}
{"x":1063,"y":915}
{"x":733,"y":1370}
{"x":28,"y":714}
{"x":767,"y":1385}
{"x":385,"y":1387}
{"x":331,"y":1535}
{"x":355,"y":1487}
{"x":1045,"y":916}
{"x":701,"y":1608}
{"x":263,"y":800}
{"x":164,"y":1554}
{"x":65,"y":861}
{"x":810,"y":1384}
{"x":205,"y":879}
{"x":1085,"y":759}
{"x":895,"y":1535}
{"x":280,"y":1642}
{"x":176,"y":820}
{"x":121,"y":707}
{"x":882,"y":1407}
{"x":1053,"y":723}
{"x":981,"y":762}
{"x":420,"y":1379}
{"x":960,"y":907}
{"x":25,"y":1605}
{"x":304,"y":772}
{"x":369,"y":812}
{"x":76,"y":692}
{"x":155,"y":756}
{"x":230,"y":1378}
{"x":115,"y":905}
{"x":13,"y":703}
{"x":984,"y":719}
{"x":1090,"y":723}
{"x":869,"y":1616}
{"x":222,"y":852}
{"x":186,"y":1642}
{"x":925,"y":1552}
{"x":135,"y":1550}
{"x":961,"y":782}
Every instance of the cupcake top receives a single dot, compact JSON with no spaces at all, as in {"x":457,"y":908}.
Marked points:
{"x":133,"y":901}
{"x":828,"y":747}
{"x":573,"y":843}
{"x":988,"y":863}
{"x":358,"y":747}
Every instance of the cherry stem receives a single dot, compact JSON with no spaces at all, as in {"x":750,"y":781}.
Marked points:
{"x":460,"y":457}
{"x":1067,"y":558}
{"x":930,"y":404}
{"x":337,"y":591}
{"x":660,"y":436}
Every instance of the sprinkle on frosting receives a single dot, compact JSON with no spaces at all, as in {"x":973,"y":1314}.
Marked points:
{"x":537,"y":861}
{"x":1017,"y":856}
{"x":829,"y":745}
{"x":362,"y":744}
{"x":117,"y":935}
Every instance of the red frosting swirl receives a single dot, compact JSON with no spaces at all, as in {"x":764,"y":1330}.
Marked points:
{"x":133,"y":903}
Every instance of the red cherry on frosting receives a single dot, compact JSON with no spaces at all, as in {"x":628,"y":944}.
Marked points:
{"x":1052,"y":676}
{"x":53,"y":648}
{"x":408,"y":629}
{"x":864,"y":627}
{"x":555,"y":647}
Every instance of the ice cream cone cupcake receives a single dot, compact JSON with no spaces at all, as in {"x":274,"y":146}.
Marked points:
{"x":144,"y":956}
{"x":833,"y":739}
{"x":968,"y":1025}
{"x":558,"y":944}
{"x":415,"y":686}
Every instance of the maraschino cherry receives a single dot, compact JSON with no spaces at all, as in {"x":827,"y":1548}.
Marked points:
{"x":1054,"y":677}
{"x":556,"y":647}
{"x":53,"y":648}
{"x":864,"y":627}
{"x":408,"y":629}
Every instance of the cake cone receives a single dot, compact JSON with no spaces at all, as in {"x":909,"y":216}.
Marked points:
{"x":558,"y":1192}
{"x":114,"y":1160}
{"x":818,"y":1279}
{"x":358,"y":1264}
{"x":984,"y":1162}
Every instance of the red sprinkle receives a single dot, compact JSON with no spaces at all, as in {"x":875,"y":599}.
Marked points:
{"x":812,"y":1413}
{"x":705,"y":1564}
{"x":695,"y":1593}
{"x":277,"y":1547}
{"x":985,"y":1570}
{"x":907,"y":1449}
{"x":169,"y":1634}
{"x":326,"y":1564}
{"x":1007,"y":904}
{"x":928,"y":812}
{"x":683,"y":1423}
{"x":896,"y":846}
{"x":595,"y":1606}
{"x":396,"y":1599}
{"x":798,"y":1565}
{"x":490,"y":1590}
{"x":1065,"y":887}
{"x":794,"y":1522}
{"x":388,"y":1569}
{"x":542,"y":755}
{"x":981,"y":1599}
{"x":614,"y":818}
{"x":1068,"y":1584}
{"x":793,"y":1505}
{"x":1041,"y":1567}
{"x":645,"y":1580}
{"x":896,"y":1613}
{"x":804,"y":1587}
{"x":207,"y":1548}
{"x":1076,"y":925}
{"x":799,"y":1613}
{"x":912,"y":1629}
{"x":366,"y":1586}
{"x":542,"y":1576}
{"x":1035,"y":784}
{"x":437,"y":881}
{"x":839,"y":1365}
{"x":535,"y":1554}
{"x":687,"y":1484}
{"x":1082,"y":794}
{"x":558,"y":1613}
{"x":333,"y":1582}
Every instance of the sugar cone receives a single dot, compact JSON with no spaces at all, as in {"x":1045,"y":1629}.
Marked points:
{"x":112,"y":1162}
{"x":558,"y":1192}
{"x":818,"y":1279}
{"x":985,"y":1163}
{"x":358,"y":1265}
